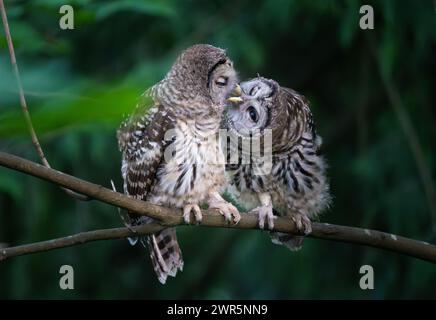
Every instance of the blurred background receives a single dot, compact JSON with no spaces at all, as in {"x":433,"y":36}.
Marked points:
{"x":372,"y":94}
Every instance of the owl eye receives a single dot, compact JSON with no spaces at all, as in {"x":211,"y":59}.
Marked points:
{"x":221,"y":81}
{"x":253,"y":90}
{"x":254,"y":116}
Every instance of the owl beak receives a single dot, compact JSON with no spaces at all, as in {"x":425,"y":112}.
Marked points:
{"x":236,"y":95}
{"x":237,"y":91}
{"x":235,"y":100}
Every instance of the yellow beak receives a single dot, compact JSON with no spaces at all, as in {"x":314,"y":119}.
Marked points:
{"x":235,"y":100}
{"x":236,"y":95}
{"x":237,"y":90}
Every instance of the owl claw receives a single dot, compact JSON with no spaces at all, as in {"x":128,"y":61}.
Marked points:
{"x":303,"y":223}
{"x":265,"y":213}
{"x":227,"y":209}
{"x":187,"y":209}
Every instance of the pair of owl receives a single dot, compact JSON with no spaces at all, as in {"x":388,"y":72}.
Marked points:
{"x":171,"y":154}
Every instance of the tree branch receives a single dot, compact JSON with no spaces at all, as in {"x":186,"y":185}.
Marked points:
{"x":171,"y":217}
{"x":23,"y":102}
{"x":79,"y":238}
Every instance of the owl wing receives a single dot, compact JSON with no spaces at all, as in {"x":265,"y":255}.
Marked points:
{"x":142,"y":142}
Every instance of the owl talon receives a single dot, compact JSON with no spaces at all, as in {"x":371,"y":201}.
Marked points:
{"x":227,"y":209}
{"x":265,"y":213}
{"x":187,"y":209}
{"x":302,"y":223}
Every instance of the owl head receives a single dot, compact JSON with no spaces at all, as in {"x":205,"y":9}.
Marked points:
{"x":199,"y":81}
{"x":268,"y":106}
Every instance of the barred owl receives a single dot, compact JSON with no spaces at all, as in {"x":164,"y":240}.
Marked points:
{"x":289,"y":177}
{"x":170,"y":152}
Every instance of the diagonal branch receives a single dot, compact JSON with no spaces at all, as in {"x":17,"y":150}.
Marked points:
{"x":171,"y":217}
{"x":23,"y":102}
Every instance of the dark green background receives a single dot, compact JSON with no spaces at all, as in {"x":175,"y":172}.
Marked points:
{"x":372,"y":94}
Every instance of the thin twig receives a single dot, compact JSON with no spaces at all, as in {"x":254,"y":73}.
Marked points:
{"x":410,"y":134}
{"x":23,"y":102}
{"x":172,"y":217}
{"x":79,"y":238}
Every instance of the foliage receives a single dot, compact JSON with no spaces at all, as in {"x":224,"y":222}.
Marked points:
{"x":80,"y":82}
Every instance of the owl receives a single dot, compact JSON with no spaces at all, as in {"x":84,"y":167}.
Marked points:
{"x":171,"y":155}
{"x":280,"y":169}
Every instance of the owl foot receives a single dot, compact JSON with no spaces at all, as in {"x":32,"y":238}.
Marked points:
{"x":303,"y":223}
{"x":265,"y":213}
{"x":187,"y":213}
{"x":227,"y":209}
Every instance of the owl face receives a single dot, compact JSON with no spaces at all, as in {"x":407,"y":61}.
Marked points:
{"x":198,"y":82}
{"x":269,"y":108}
{"x":253,"y":115}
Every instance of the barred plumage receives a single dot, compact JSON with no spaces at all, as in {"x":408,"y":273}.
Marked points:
{"x":170,"y":155}
{"x":292,"y":181}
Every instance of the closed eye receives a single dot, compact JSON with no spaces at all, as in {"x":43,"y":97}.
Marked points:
{"x":222,"y":81}
{"x":253,"y":90}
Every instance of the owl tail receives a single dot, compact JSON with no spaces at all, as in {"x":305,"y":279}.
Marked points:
{"x":293,"y":243}
{"x":165,"y":253}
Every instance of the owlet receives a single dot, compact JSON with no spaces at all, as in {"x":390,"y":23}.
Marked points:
{"x":170,"y":152}
{"x":279,"y":165}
